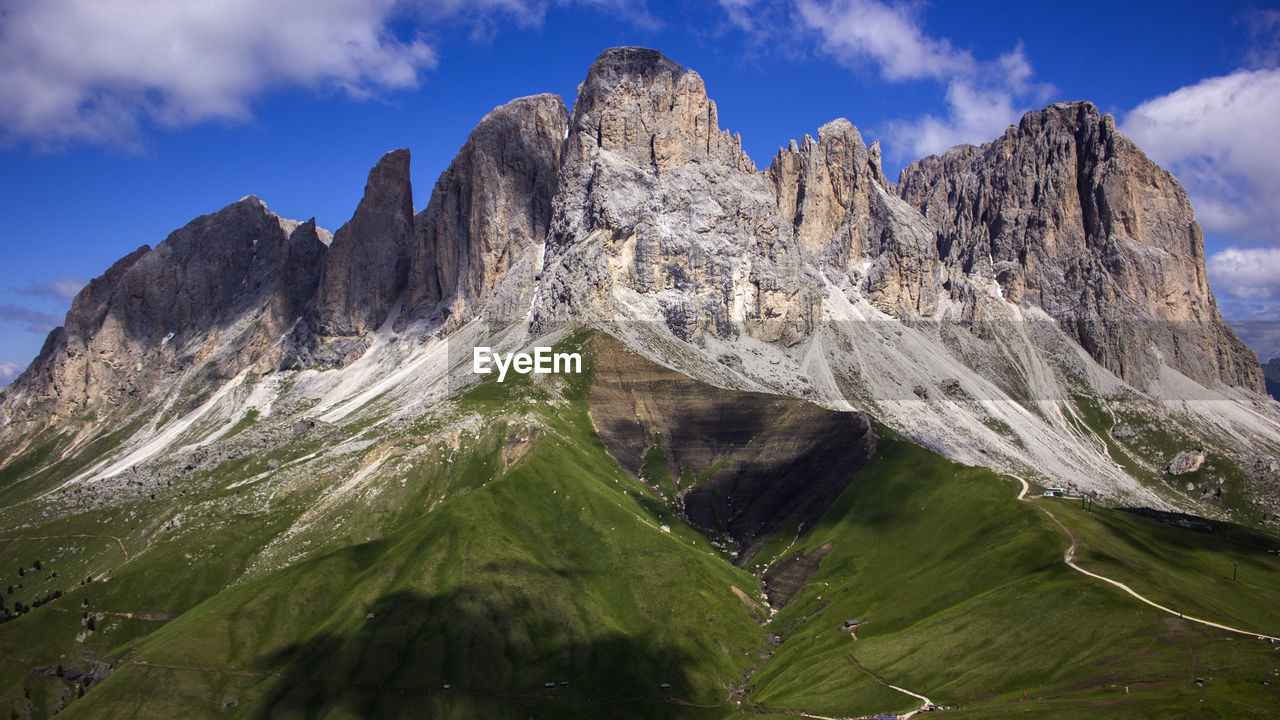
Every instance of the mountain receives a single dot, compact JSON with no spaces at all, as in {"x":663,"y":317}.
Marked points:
{"x":262,"y":464}
{"x":1067,"y":214}
{"x":1271,"y":370}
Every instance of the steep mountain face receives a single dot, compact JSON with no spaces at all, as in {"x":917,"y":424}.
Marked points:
{"x":743,"y":464}
{"x":994,"y":306}
{"x":478,"y":243}
{"x":1271,"y":371}
{"x":240,"y":272}
{"x":1068,"y":215}
{"x":245,"y":290}
{"x":661,"y":218}
{"x":847,"y":217}
{"x":367,"y":266}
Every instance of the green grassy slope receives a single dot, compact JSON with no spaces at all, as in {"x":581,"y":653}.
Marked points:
{"x":546,"y":575}
{"x":965,"y":600}
{"x":492,"y":581}
{"x":1182,"y":569}
{"x":518,"y":553}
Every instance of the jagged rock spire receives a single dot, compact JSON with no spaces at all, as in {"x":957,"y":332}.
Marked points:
{"x":368,"y":263}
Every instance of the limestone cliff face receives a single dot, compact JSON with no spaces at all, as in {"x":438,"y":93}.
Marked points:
{"x":637,"y":207}
{"x":638,"y":104}
{"x":367,"y":265}
{"x":847,"y":217}
{"x":660,"y":216}
{"x":822,"y":186}
{"x":488,"y":215}
{"x":1067,"y":214}
{"x":162,"y":310}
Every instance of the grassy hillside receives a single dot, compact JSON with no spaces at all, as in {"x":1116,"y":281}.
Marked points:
{"x":494,"y":546}
{"x":524,"y":555}
{"x":1187,"y":570}
{"x":964,"y":599}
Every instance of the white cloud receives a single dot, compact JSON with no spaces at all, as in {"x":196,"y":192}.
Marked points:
{"x":1246,"y":282}
{"x":1250,"y":274}
{"x":9,"y":371}
{"x":526,"y":12}
{"x":99,"y":70}
{"x":975,"y":114}
{"x":741,"y":14}
{"x":1219,"y":137}
{"x":982,"y":97}
{"x":64,"y":288}
{"x":33,"y":321}
{"x":1264,"y":37}
{"x":868,"y":31}
{"x":95,"y":69}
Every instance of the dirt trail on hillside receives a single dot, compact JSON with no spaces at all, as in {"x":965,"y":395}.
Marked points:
{"x":146,"y":617}
{"x":925,"y":702}
{"x":64,"y":537}
{"x":1069,"y":558}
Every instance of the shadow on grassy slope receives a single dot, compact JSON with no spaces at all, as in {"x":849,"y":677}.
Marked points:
{"x":496,"y":651}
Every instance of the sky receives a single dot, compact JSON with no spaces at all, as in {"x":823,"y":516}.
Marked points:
{"x":122,"y":120}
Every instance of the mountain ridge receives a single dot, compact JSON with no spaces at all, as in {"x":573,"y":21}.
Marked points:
{"x":816,"y":278}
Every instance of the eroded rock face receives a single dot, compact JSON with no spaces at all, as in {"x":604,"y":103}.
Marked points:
{"x":163,"y":310}
{"x":638,"y":104}
{"x":477,"y":244}
{"x":660,"y":216}
{"x":847,"y":218}
{"x":368,"y":262}
{"x":639,"y":208}
{"x":1067,"y":214}
{"x":746,"y":464}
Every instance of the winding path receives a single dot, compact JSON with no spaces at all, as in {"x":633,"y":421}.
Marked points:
{"x":148,"y":617}
{"x":1069,"y":557}
{"x":63,"y":537}
{"x":924,"y":701}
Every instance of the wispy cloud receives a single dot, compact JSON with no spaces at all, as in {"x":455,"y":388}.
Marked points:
{"x":64,"y":288}
{"x":9,"y":371}
{"x":869,"y":32}
{"x":1264,"y":37}
{"x":1251,"y":274}
{"x":982,"y":97}
{"x":95,"y":69}
{"x":34,"y":320}
{"x":980,"y":106}
{"x":1246,"y":282}
{"x":100,"y":70}
{"x":1219,"y":137}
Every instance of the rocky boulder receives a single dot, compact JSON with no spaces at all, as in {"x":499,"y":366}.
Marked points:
{"x":1187,"y":461}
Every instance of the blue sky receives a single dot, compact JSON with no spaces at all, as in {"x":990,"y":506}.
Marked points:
{"x":121,"y":120}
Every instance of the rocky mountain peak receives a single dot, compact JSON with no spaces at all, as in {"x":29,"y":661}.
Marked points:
{"x":163,"y":310}
{"x":1067,"y":214}
{"x":818,"y":184}
{"x":639,"y":214}
{"x":657,"y":202}
{"x":616,"y":62}
{"x":489,"y":213}
{"x":637,"y":103}
{"x":368,"y":261}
